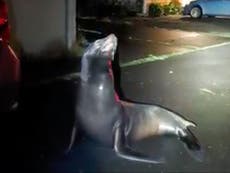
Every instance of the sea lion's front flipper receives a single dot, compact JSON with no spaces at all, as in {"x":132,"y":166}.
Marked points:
{"x":124,"y":151}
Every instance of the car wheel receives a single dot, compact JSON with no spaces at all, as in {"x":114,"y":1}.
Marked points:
{"x":196,"y":12}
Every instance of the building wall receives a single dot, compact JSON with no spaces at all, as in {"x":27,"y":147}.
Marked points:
{"x":162,"y":2}
{"x":39,"y":25}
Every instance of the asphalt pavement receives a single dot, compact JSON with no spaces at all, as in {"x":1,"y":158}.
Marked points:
{"x":141,"y":36}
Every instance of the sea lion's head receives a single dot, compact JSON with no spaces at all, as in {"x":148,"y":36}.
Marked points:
{"x":98,"y":56}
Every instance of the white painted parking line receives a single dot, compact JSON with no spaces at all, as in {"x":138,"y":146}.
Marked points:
{"x":149,"y":58}
{"x":152,"y":58}
{"x":89,"y":31}
{"x":219,"y":34}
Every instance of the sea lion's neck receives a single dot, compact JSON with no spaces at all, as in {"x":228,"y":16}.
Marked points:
{"x":98,"y":80}
{"x":101,"y":86}
{"x":94,"y":68}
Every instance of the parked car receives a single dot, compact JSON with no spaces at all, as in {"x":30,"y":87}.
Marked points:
{"x":9,"y":65}
{"x":210,"y":8}
{"x":9,"y":77}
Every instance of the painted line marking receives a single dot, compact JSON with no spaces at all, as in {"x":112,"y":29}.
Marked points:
{"x":218,"y":34}
{"x":205,"y":90}
{"x":152,"y":58}
{"x":86,"y":17}
{"x":138,"y":39}
{"x":89,"y":31}
{"x":63,"y":77}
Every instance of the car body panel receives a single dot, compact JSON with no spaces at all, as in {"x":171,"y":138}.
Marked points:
{"x":9,"y":77}
{"x":210,"y":7}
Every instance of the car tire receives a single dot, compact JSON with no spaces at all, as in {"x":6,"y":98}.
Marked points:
{"x":196,"y":12}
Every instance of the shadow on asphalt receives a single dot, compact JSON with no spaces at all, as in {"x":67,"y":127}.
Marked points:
{"x":41,"y":68}
{"x":41,"y":126}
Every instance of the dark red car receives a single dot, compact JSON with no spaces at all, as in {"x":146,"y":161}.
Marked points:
{"x":9,"y":64}
{"x":9,"y":76}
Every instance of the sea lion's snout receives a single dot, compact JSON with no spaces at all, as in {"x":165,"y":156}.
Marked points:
{"x":105,"y":47}
{"x":109,"y":45}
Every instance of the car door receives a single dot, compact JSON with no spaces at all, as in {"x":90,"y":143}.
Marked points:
{"x":226,"y":8}
{"x":215,"y":7}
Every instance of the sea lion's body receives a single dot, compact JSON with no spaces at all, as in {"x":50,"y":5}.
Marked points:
{"x":98,"y":120}
{"x":105,"y":118}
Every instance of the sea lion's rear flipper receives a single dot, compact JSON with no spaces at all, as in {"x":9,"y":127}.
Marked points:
{"x":192,"y":144}
{"x":122,"y":150}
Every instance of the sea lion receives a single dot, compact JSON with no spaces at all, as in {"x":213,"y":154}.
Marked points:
{"x":105,"y":118}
